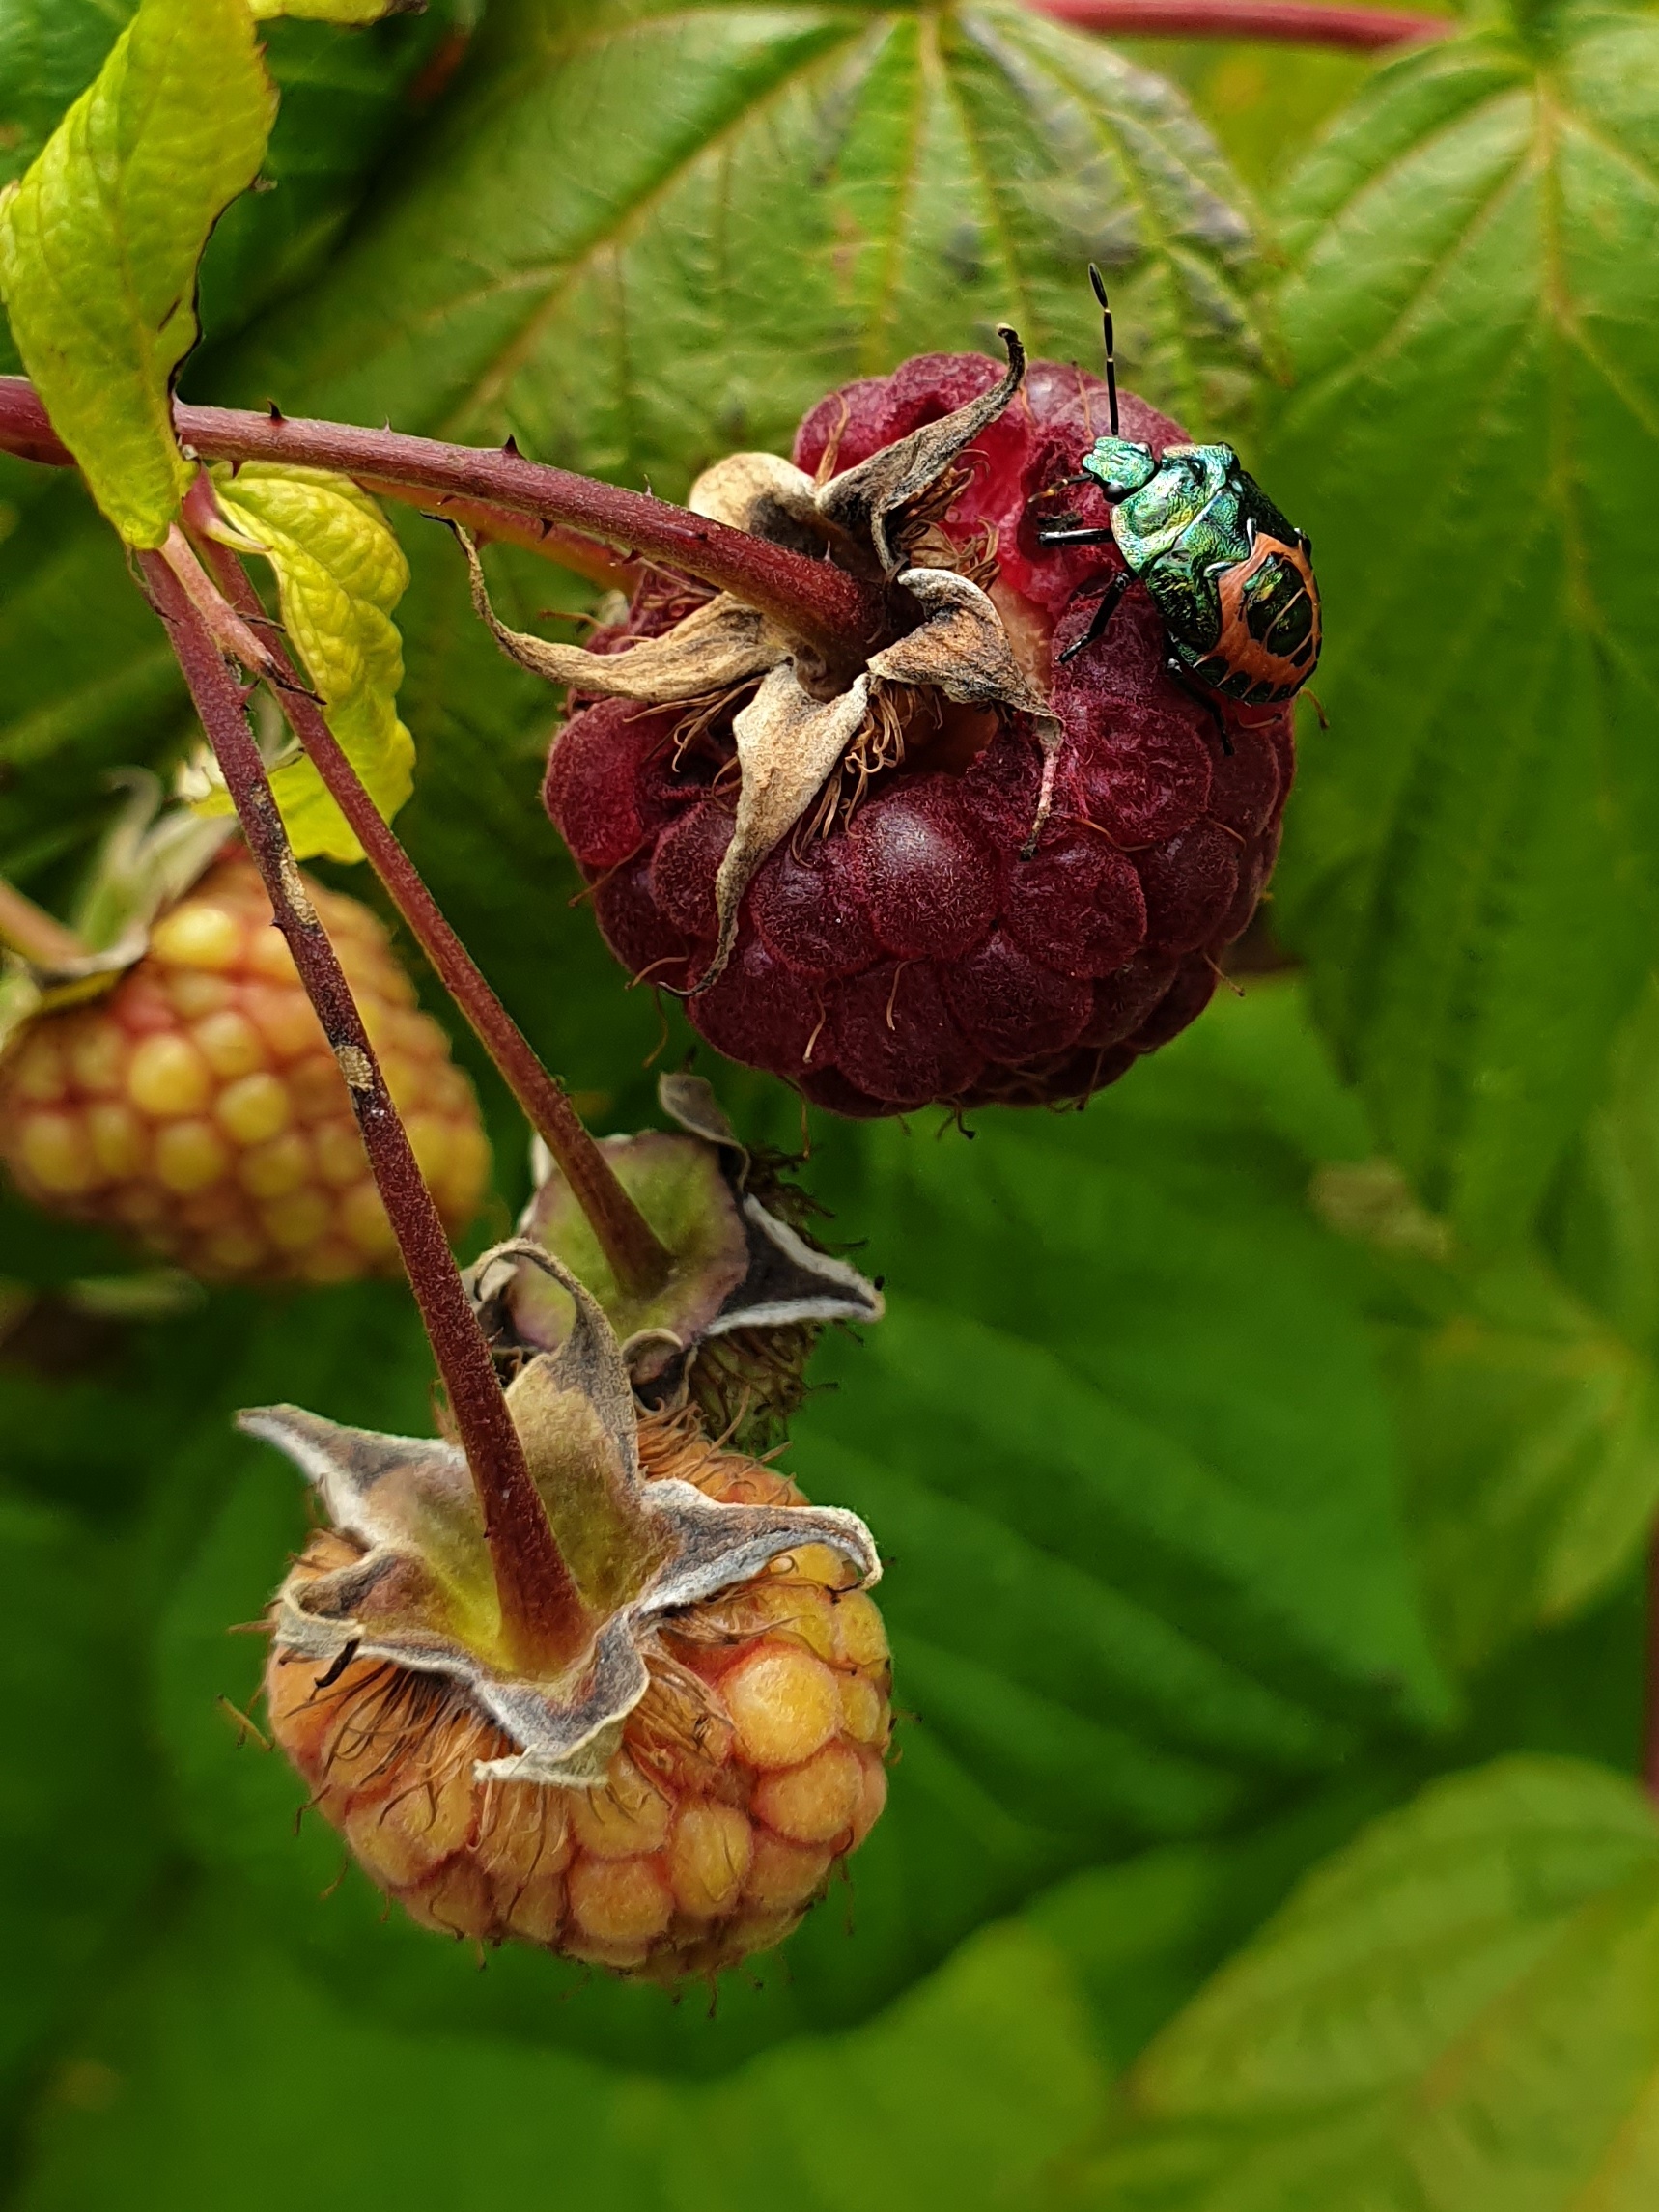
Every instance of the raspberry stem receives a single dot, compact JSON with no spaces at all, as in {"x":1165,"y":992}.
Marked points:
{"x":639,"y":1262}
{"x":37,"y":935}
{"x":542,"y":1611}
{"x":839,"y":615}
{"x":571,"y":549}
{"x":1288,"y":22}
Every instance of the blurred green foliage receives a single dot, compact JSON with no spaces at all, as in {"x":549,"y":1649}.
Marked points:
{"x":1264,"y":1458}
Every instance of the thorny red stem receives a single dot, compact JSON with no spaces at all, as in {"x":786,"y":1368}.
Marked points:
{"x":541,"y":1607}
{"x":1289,"y":22}
{"x":814,"y":600}
{"x":588,"y":557}
{"x":638,"y":1261}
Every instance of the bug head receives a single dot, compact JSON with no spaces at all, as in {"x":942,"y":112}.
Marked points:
{"x":1121,"y":466}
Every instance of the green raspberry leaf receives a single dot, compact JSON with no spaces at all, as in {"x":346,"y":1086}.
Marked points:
{"x":1473,"y":445}
{"x":51,"y":50}
{"x":340,"y":574}
{"x":345,"y":99}
{"x":1602,"y":1221}
{"x":73,"y":1875}
{"x":99,"y":243}
{"x":220,"y":2040}
{"x":1459,"y":2012}
{"x":1529,"y":1418}
{"x":649,"y":234}
{"x":1531,"y":1434}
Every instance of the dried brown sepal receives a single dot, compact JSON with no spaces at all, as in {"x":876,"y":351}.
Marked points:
{"x":869,"y":504}
{"x":421,"y":1593}
{"x":721,"y":644}
{"x":788,"y":744}
{"x":876,"y":520}
{"x":769,"y":497}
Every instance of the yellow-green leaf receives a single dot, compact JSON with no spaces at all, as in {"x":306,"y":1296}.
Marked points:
{"x":328,"y":10}
{"x":99,"y":242}
{"x":1456,"y":2013}
{"x":339,"y":572}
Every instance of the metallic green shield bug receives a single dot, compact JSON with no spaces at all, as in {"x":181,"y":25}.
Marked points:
{"x":1231,"y":578}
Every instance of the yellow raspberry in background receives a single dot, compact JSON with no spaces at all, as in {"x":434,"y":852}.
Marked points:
{"x":197,"y":1108}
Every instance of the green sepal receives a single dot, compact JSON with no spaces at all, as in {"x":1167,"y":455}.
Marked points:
{"x":586,"y":1478}
{"x":26,"y":991}
{"x":101,"y":238}
{"x":21,"y":998}
{"x":678,"y":1185}
{"x":339,"y":572}
{"x":150,"y":857}
{"x":747,"y":1294}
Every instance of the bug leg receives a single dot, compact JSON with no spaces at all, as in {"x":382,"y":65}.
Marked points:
{"x":1061,"y":519}
{"x":1084,"y":537}
{"x":1105,"y":609}
{"x":1206,"y":699}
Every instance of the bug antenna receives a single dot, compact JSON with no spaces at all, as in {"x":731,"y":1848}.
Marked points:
{"x":1098,"y":281}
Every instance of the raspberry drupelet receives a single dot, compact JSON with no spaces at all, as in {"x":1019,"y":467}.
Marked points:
{"x":907,"y":942}
{"x":196,"y":1107}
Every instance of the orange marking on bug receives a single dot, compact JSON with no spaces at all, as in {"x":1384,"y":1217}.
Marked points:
{"x":1245,"y":655}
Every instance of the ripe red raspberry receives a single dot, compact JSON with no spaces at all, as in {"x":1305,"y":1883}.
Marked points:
{"x":750,"y":1767}
{"x":916,"y":951}
{"x":196,"y":1106}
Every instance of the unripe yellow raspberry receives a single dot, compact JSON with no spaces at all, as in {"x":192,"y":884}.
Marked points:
{"x":751,"y":1767}
{"x":197,"y":1108}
